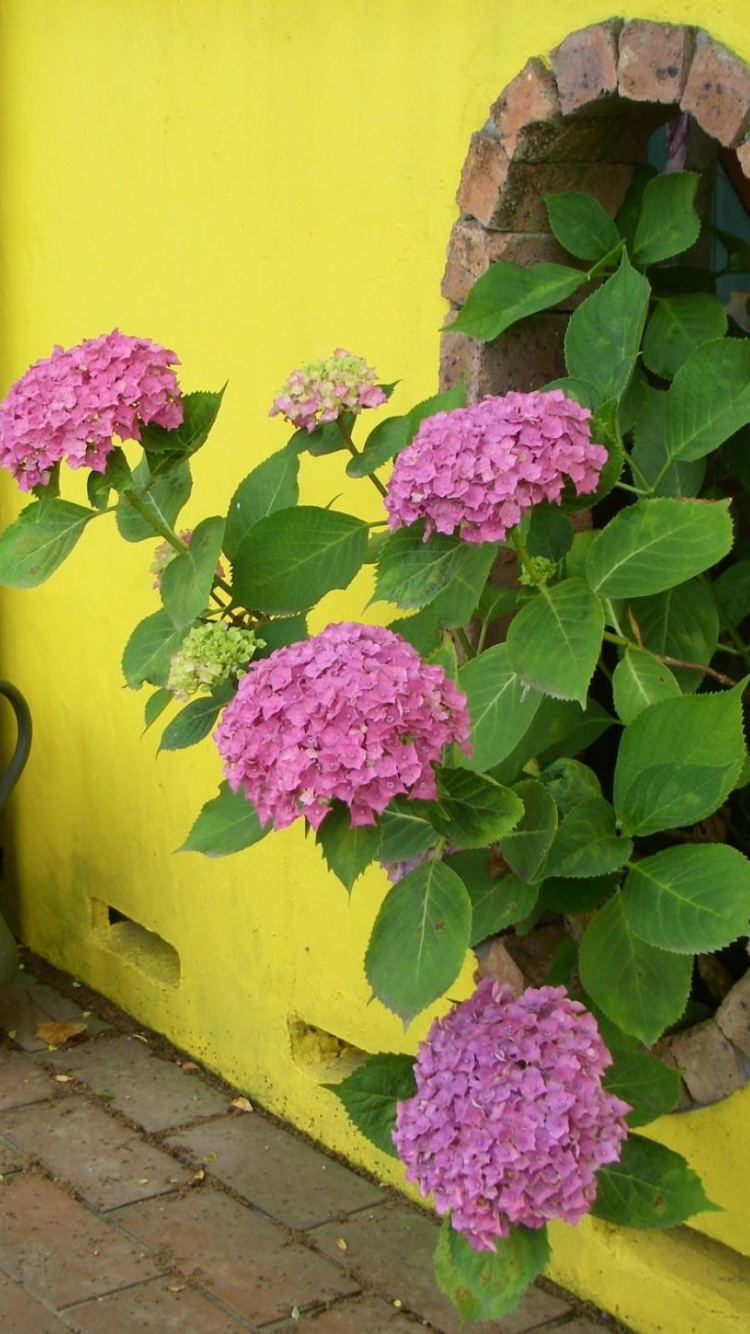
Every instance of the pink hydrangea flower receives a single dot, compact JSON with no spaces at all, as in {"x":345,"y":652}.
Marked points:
{"x":475,"y":471}
{"x":510,"y":1121}
{"x":352,"y":713}
{"x":70,"y":405}
{"x":322,"y":390}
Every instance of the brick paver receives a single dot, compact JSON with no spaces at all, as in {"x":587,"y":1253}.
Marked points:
{"x":285,"y":1177}
{"x":155,"y":1307}
{"x":28,"y":1001}
{"x":22,"y":1314}
{"x":156,"y":1094}
{"x":21,"y":1082}
{"x":109,"y":1164}
{"x":394,"y":1247}
{"x":359,"y":1315}
{"x":236,"y":1253}
{"x":10,"y":1158}
{"x":59,"y":1249}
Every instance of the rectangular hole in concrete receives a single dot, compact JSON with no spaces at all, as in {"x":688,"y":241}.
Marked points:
{"x":135,"y":944}
{"x":320,"y":1054}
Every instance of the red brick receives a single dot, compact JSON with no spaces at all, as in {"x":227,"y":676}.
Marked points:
{"x":473,"y":248}
{"x":156,"y":1094}
{"x":152,"y":1306}
{"x":529,"y":99}
{"x":654,"y":59}
{"x":378,"y":1242}
{"x":733,"y":1015}
{"x":717,"y":92}
{"x":521,"y":207}
{"x":743,"y":156}
{"x":59,"y":1250}
{"x":288,"y":1179}
{"x":21,"y":1082}
{"x":483,"y":178}
{"x":582,"y":138}
{"x":236,"y":1254}
{"x":525,"y":357}
{"x":459,"y":360}
{"x":585,"y":66}
{"x":360,"y":1315}
{"x":22,"y":1314}
{"x":93,"y":1152}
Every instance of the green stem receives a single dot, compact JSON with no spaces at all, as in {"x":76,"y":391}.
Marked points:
{"x":621,"y":640}
{"x":482,"y":636}
{"x":463,"y":640}
{"x":161,"y":528}
{"x":355,"y":453}
{"x":635,"y":490}
{"x":524,"y":556}
{"x":607,"y":260}
{"x":638,"y":475}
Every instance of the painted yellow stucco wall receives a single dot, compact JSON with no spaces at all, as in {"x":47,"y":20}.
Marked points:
{"x":253,"y":183}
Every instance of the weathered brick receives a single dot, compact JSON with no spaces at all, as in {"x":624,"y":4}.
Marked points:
{"x":717,"y":91}
{"x":529,"y":99}
{"x":654,"y":59}
{"x":459,"y":360}
{"x":743,"y":156}
{"x":525,"y":357}
{"x":22,"y":1314}
{"x":582,"y":138}
{"x":154,"y":1307}
{"x":733,"y":1015}
{"x":483,"y":178}
{"x":585,"y":66}
{"x":359,"y":1315}
{"x":473,"y":249}
{"x":495,"y":961}
{"x":709,"y":1064}
{"x":11,"y":1160}
{"x":520,"y":207}
{"x":29,"y":1002}
{"x":21,"y":1082}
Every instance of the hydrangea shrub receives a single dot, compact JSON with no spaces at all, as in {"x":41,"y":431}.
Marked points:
{"x":564,"y":746}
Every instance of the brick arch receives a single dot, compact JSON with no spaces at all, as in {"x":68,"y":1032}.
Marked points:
{"x":577,"y":122}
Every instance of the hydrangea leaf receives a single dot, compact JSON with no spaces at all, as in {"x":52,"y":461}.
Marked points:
{"x":348,"y":852}
{"x":650,"y":1187}
{"x":162,"y":495}
{"x":291,"y":559}
{"x":668,"y":222}
{"x":652,"y":1088}
{"x":445,"y":401}
{"x":603,"y":338}
{"x":691,"y":899}
{"x":116,"y":477}
{"x":639,"y":679}
{"x":199,"y":412}
{"x":187,"y":580}
{"x":559,"y":728}
{"x":228,"y":823}
{"x":732,"y":591}
{"x":404,"y":833}
{"x":555,"y":640}
{"x":549,"y":533}
{"x":370,"y":1094}
{"x":279,"y":633}
{"x":272,"y":486}
{"x":155,"y":706}
{"x":388,"y":438}
{"x":419,"y":940}
{"x":569,"y":783}
{"x":507,"y":293}
{"x":681,"y":622}
{"x":192,"y":723}
{"x":677,"y":326}
{"x":487,"y":1285}
{"x":149,"y":650}
{"x":581,"y":225}
{"x":699,"y":749}
{"x":655,"y":544}
{"x":414,"y":573}
{"x":501,"y":709}
{"x":37,"y":542}
{"x":422,"y":630}
{"x":665,"y":476}
{"x":640,"y":988}
{"x":472,"y":810}
{"x":497,"y":900}
{"x":571,"y":895}
{"x":709,"y":399}
{"x":586,"y":843}
{"x":526,"y":847}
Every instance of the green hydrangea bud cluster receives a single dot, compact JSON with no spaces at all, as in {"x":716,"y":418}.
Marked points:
{"x":543,"y":569}
{"x":209,"y":654}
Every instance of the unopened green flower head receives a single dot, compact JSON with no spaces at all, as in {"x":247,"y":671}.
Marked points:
{"x":543,"y":568}
{"x":209,"y":654}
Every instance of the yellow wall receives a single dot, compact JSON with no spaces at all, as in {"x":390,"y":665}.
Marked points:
{"x":252,"y":182}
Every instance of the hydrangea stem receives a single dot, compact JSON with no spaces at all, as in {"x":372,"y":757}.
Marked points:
{"x":355,"y":453}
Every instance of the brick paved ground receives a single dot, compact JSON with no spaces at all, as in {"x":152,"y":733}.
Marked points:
{"x":134,"y":1197}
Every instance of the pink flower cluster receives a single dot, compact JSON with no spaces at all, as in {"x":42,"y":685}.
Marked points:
{"x":322,"y":390}
{"x":475,"y":471}
{"x":70,"y":405}
{"x":352,"y":713}
{"x":510,"y":1122}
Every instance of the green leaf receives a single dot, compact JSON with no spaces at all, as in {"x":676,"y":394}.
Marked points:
{"x":527,"y":846}
{"x":289,"y":560}
{"x":549,"y":533}
{"x":586,"y":843}
{"x":678,"y":325}
{"x":655,"y":544}
{"x":405,"y":834}
{"x":279,"y":633}
{"x":226,"y":824}
{"x":348,"y":852}
{"x":732,"y":591}
{"x":579,"y":390}
{"x":487,"y":1285}
{"x":690,"y":899}
{"x":604,"y":333}
{"x":445,"y":401}
{"x":709,"y":399}
{"x":37,"y":542}
{"x":555,"y":640}
{"x":507,"y":293}
{"x":675,"y":477}
{"x":501,"y":709}
{"x":630,"y":211}
{"x":638,"y":681}
{"x":640,"y":988}
{"x":370,"y":1094}
{"x":419,"y":940}
{"x":270,"y":487}
{"x":422,"y":630}
{"x":668,"y":222}
{"x":678,"y":761}
{"x":155,"y":706}
{"x":192,"y":723}
{"x":559,"y":728}
{"x":497,"y":900}
{"x":650,"y":1187}
{"x":187,"y":580}
{"x":414,"y":573}
{"x":651,"y":1088}
{"x":576,"y":896}
{"x":387,"y":439}
{"x":162,"y":495}
{"x":472,"y":810}
{"x":495,"y":602}
{"x":199,"y":412}
{"x":570,"y":783}
{"x":581,"y":225}
{"x":116,"y":476}
{"x":149,"y":650}
{"x":681,"y":623}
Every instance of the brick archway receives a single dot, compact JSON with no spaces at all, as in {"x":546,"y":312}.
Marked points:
{"x":579,"y":122}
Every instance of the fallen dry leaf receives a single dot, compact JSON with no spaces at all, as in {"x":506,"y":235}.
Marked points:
{"x":189,"y":1067}
{"x":177,"y":1287}
{"x":197,"y":1177}
{"x":55,"y":1033}
{"x":242,"y":1104}
{"x":342,"y":1244}
{"x":63,"y":1079}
